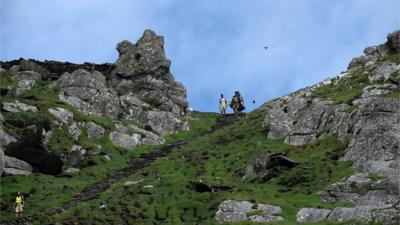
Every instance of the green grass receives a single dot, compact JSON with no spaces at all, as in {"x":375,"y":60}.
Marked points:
{"x":59,"y":189}
{"x":215,"y":159}
{"x":346,"y":90}
{"x":5,"y":80}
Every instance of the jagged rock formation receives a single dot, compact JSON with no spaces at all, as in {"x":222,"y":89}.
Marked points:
{"x":236,"y":211}
{"x":367,"y":122}
{"x":138,"y":87}
{"x":143,"y":70}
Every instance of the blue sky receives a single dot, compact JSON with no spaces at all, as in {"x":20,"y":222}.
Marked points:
{"x":216,"y":46}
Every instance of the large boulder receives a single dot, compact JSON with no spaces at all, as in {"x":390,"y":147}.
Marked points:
{"x":18,"y":106}
{"x":162,"y":122}
{"x":5,"y":138}
{"x":13,"y":166}
{"x":26,"y":80}
{"x":237,"y":211}
{"x":267,"y":166}
{"x":143,"y":70}
{"x":307,"y":215}
{"x":94,"y":131}
{"x":29,"y":65}
{"x":62,"y":114}
{"x":87,"y":92}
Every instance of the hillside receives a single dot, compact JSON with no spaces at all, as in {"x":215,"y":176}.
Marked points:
{"x":114,"y":144}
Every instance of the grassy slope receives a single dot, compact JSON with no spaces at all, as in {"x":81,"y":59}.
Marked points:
{"x":215,"y":159}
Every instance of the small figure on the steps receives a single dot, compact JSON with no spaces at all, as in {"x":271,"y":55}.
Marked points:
{"x":222,"y":104}
{"x":237,"y":103}
{"x":19,"y":205}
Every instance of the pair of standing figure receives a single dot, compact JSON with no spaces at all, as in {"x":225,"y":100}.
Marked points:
{"x":237,"y":104}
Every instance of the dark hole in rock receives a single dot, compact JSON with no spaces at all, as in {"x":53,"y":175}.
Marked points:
{"x":5,"y":91}
{"x":148,"y":128}
{"x":200,"y":187}
{"x":138,"y":56}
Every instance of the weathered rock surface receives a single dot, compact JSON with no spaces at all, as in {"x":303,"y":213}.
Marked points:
{"x":130,"y":136}
{"x":307,"y":215}
{"x":143,"y":70}
{"x":267,"y":166}
{"x":236,"y":211}
{"x":368,"y":126}
{"x":162,"y":122}
{"x":87,"y":92}
{"x":26,"y":81}
{"x":124,"y":140}
{"x":64,"y":115}
{"x":12,"y":166}
{"x":94,"y":131}
{"x":18,"y":106}
{"x":5,"y":138}
{"x":74,"y":131}
{"x":77,"y":156}
{"x":30,"y":149}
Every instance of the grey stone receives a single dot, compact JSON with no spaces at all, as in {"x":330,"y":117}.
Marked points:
{"x":383,"y":71}
{"x":29,"y":65}
{"x":87,"y":92}
{"x":13,"y":172}
{"x":269,"y":210}
{"x":307,"y":215}
{"x":74,"y":131}
{"x":236,"y":211}
{"x":94,"y":131}
{"x":14,"y":166}
{"x":64,"y":115}
{"x":361,"y":213}
{"x":26,"y":81}
{"x":77,"y":156}
{"x":72,"y":171}
{"x":47,"y":135}
{"x":5,"y":138}
{"x":223,"y":216}
{"x":132,"y":182}
{"x":142,"y":70}
{"x":124,"y":140}
{"x":165,"y":123}
{"x":236,"y":206}
{"x":379,"y":89}
{"x":18,"y":106}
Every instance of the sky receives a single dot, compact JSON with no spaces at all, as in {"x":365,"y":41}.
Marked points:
{"x":216,"y":46}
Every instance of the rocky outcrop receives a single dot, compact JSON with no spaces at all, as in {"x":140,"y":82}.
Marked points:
{"x":30,"y":148}
{"x":368,"y":126}
{"x":26,"y":81}
{"x":5,"y":138}
{"x":373,"y":54}
{"x":143,"y":70}
{"x":236,"y":211}
{"x":10,"y":166}
{"x":307,"y":215}
{"x":162,"y":122}
{"x":130,"y":136}
{"x":18,"y":106}
{"x":87,"y":92}
{"x":77,"y":156}
{"x":94,"y":131}
{"x":267,"y":166}
{"x":62,"y":114}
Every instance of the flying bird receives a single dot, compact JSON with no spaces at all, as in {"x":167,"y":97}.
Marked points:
{"x":266,"y":47}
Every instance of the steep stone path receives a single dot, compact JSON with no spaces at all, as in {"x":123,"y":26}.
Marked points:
{"x":94,"y":190}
